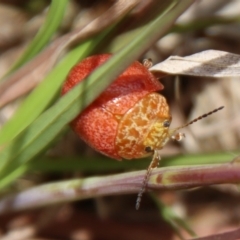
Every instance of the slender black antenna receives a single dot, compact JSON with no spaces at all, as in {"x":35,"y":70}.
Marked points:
{"x":199,"y":118}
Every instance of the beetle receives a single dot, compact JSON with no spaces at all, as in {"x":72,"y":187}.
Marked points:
{"x":130,"y":119}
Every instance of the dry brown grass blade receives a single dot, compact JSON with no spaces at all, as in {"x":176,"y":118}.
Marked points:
{"x":27,"y":77}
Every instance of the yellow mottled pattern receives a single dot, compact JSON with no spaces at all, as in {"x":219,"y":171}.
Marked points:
{"x":142,"y":126}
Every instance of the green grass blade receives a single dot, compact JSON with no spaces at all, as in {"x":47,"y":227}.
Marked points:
{"x":88,"y":164}
{"x":44,"y":94}
{"x":51,"y":24}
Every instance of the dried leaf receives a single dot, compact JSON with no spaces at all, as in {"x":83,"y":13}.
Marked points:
{"x":210,"y":63}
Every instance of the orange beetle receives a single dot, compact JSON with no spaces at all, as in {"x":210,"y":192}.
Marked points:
{"x":129,"y":119}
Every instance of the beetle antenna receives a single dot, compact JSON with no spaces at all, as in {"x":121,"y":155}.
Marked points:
{"x":199,"y":118}
{"x":154,"y":163}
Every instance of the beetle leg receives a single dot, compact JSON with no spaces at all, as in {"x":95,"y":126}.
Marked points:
{"x":154,"y":163}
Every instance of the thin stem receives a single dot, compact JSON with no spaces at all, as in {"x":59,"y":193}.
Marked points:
{"x":161,"y":178}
